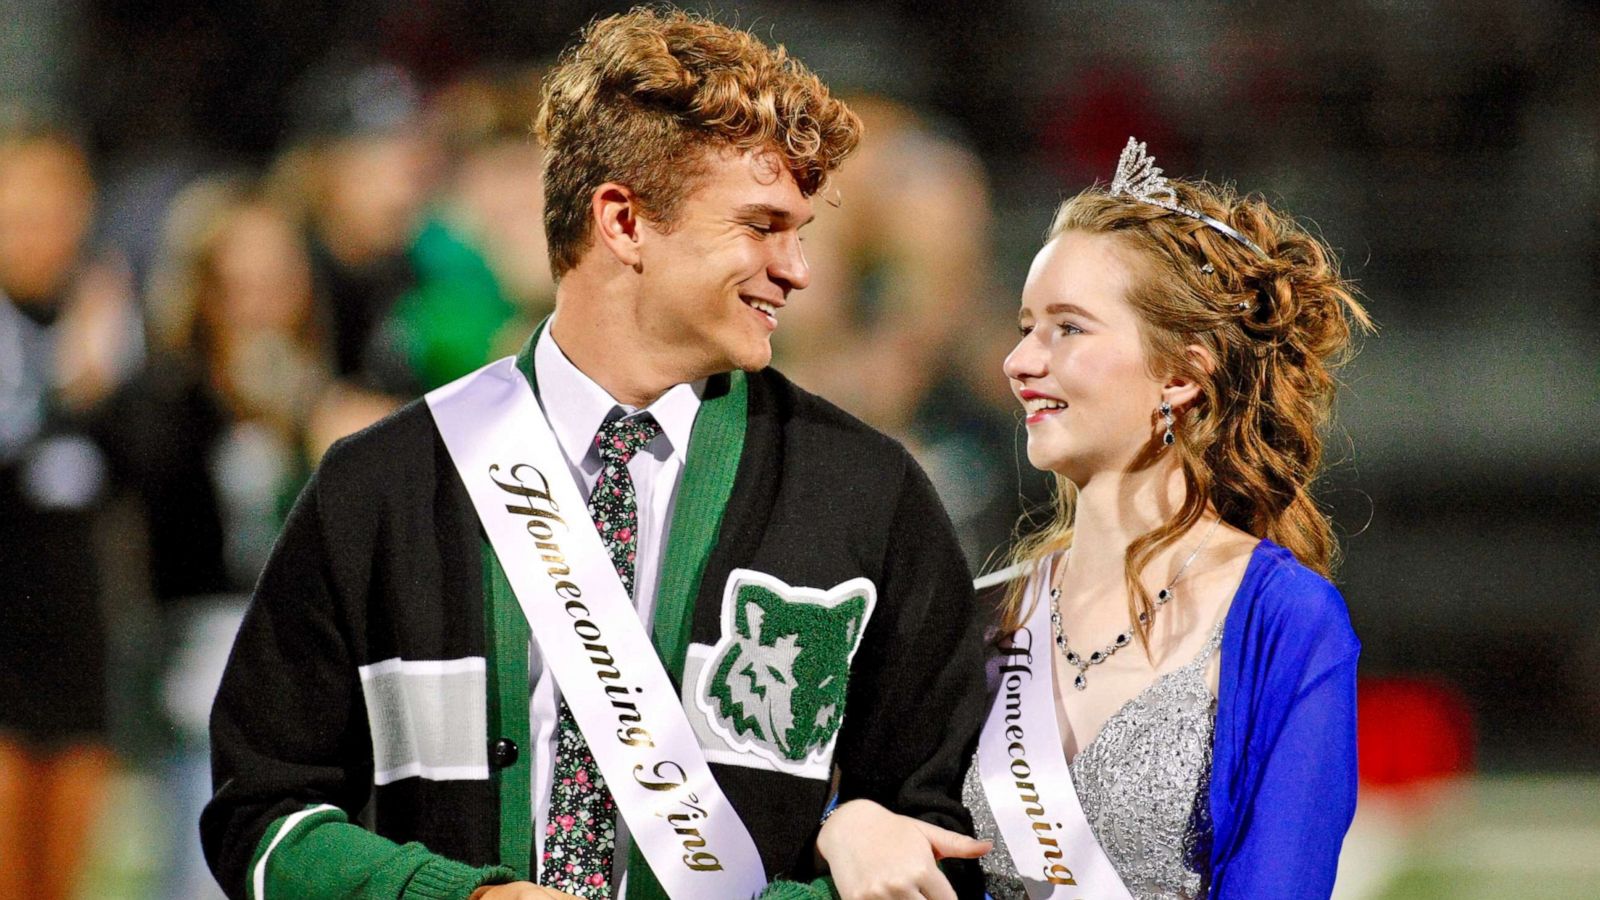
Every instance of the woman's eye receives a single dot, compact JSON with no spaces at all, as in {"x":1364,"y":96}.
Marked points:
{"x":1024,"y":330}
{"x":1069,"y":328}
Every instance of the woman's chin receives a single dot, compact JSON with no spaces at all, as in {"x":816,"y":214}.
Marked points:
{"x":1050,"y":459}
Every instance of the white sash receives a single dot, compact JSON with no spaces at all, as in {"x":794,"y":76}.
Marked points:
{"x":591,"y":636}
{"x":1025,"y":775}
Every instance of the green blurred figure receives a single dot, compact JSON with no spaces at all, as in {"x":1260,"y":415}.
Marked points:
{"x":483,"y":279}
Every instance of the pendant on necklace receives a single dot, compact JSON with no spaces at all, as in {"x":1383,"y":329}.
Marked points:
{"x":1163,"y":597}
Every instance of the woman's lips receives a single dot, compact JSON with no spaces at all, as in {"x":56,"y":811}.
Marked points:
{"x":1040,"y":406}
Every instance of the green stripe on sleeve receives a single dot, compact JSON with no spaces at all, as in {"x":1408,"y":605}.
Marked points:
{"x":820,"y":889}
{"x":276,"y":833}
{"x":317,"y":853}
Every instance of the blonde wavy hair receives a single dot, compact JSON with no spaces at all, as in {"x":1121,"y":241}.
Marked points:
{"x":641,"y":97}
{"x":1277,"y":326}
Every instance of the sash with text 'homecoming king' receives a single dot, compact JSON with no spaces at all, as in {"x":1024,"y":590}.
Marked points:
{"x":591,"y":637}
{"x":1025,"y":775}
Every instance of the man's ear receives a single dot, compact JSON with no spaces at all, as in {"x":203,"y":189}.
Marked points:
{"x":615,"y":211}
{"x":1181,"y":390}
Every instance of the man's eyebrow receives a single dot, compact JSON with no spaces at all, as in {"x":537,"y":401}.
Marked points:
{"x":776,"y":213}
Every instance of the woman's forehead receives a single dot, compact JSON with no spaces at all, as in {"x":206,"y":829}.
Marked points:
{"x":1088,"y":271}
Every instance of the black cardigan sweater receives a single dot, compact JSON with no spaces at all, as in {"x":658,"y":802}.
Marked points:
{"x":381,"y":559}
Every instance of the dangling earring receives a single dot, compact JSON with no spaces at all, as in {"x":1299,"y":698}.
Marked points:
{"x":1166,"y":416}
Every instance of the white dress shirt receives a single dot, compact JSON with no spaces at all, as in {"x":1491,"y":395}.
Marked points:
{"x":576,"y":407}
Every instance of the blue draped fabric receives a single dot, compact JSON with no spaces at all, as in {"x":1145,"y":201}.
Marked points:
{"x":1283,"y":788}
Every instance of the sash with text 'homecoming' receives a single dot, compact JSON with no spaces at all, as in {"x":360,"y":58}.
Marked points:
{"x":1025,"y":775}
{"x":591,"y":637}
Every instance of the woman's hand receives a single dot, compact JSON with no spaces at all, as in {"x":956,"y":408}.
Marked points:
{"x":874,"y":854}
{"x":519,"y":890}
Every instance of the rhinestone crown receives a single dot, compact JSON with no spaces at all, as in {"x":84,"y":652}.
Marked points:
{"x":1139,"y":178}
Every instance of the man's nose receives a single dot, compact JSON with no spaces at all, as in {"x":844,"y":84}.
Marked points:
{"x":788,"y":267}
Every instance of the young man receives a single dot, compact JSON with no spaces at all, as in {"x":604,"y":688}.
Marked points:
{"x":784,"y":572}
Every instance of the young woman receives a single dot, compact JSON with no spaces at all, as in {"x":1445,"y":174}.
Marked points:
{"x":1174,"y":711}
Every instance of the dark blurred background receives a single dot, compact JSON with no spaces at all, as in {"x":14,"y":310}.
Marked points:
{"x":275,"y":219}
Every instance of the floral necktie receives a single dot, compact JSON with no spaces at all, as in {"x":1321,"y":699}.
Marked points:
{"x":581,"y":834}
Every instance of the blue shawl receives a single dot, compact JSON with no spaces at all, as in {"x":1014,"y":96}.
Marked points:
{"x":1283,"y":782}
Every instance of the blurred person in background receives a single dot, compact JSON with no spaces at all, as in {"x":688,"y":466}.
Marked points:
{"x":212,"y":438}
{"x":901,"y":274}
{"x":1176,"y":365}
{"x":68,"y":336}
{"x":482,"y":265}
{"x":898,"y":264}
{"x":213,"y":431}
{"x":359,"y":172}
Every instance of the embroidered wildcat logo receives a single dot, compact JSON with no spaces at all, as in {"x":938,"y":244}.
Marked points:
{"x":776,"y":681}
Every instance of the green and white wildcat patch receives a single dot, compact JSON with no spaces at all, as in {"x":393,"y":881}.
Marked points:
{"x":774,"y":685}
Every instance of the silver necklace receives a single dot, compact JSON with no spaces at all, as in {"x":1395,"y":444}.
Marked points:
{"x":1123,"y":639}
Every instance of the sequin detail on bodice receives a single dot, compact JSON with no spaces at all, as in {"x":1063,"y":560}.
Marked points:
{"x":1142,"y":782}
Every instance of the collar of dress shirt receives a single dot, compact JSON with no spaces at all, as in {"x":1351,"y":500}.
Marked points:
{"x":576,"y":406}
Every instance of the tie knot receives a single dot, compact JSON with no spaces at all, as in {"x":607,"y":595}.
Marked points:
{"x":619,"y":439}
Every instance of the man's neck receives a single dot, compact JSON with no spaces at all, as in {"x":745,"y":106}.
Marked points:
{"x":598,"y":334}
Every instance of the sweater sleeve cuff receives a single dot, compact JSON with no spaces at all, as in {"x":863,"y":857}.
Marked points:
{"x":820,"y":889}
{"x":445,"y":879}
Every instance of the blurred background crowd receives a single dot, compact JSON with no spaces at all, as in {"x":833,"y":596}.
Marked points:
{"x":234,"y":231}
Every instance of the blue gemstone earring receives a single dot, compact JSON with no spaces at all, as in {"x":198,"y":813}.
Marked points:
{"x":1168,"y":438}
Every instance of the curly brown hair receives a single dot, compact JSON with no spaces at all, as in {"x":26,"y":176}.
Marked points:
{"x":641,"y":97}
{"x":1277,"y":325}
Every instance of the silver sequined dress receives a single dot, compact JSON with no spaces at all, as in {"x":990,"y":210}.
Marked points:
{"x":1142,"y":782}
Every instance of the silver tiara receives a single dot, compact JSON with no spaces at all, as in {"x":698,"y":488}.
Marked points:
{"x":1140,"y":178}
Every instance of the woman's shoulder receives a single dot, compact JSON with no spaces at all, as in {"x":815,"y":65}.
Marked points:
{"x":1284,"y":598}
